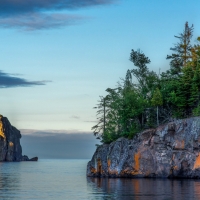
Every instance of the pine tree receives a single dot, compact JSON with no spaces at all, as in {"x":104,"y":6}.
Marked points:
{"x":157,"y":100}
{"x":182,"y":50}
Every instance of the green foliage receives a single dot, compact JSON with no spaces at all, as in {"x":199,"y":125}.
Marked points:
{"x":144,"y":99}
{"x":157,"y":98}
{"x":196,"y":111}
{"x":182,"y":50}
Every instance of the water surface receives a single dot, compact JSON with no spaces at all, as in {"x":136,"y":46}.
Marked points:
{"x":66,"y":179}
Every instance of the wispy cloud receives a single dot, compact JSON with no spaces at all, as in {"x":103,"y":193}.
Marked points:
{"x":38,"y":21}
{"x":10,"y":7}
{"x":75,"y":117}
{"x":40,"y":14}
{"x":8,"y":81}
{"x":93,"y":121}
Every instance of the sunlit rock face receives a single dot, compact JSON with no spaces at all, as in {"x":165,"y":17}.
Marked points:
{"x":10,"y":148}
{"x":169,"y":151}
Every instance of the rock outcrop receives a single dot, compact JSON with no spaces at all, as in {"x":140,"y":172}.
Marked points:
{"x":10,"y":148}
{"x":169,"y":151}
{"x":25,"y":158}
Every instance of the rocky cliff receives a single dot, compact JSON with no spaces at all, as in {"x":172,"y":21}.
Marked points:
{"x":10,"y":148}
{"x":171,"y":151}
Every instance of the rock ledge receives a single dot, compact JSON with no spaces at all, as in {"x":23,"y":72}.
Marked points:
{"x":169,"y":151}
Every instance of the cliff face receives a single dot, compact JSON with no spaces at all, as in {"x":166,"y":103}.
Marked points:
{"x":10,"y":148}
{"x":171,"y":151}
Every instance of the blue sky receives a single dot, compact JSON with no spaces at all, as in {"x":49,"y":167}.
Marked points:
{"x":61,"y":55}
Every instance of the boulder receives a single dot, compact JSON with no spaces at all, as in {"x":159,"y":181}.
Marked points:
{"x":168,"y":151}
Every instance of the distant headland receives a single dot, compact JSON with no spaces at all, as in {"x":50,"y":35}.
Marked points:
{"x":10,"y":148}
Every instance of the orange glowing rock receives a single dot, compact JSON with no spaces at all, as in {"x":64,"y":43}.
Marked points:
{"x":197,"y":163}
{"x":137,"y":161}
{"x":1,"y":128}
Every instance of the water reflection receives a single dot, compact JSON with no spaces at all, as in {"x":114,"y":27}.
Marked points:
{"x":142,"y":189}
{"x":9,"y":180}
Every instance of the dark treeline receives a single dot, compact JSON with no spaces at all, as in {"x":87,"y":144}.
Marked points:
{"x":155,"y":98}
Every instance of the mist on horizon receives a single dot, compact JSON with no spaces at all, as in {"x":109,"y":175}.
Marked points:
{"x":48,"y":145}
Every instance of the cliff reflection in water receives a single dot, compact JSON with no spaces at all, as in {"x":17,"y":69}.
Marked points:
{"x":142,"y":189}
{"x":9,"y":180}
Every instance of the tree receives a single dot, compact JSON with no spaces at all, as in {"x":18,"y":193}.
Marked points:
{"x":195,"y":51}
{"x":147,"y":82}
{"x":131,"y":114}
{"x":107,"y":128}
{"x":140,"y":61}
{"x":132,"y":106}
{"x":157,"y":100}
{"x":182,"y":50}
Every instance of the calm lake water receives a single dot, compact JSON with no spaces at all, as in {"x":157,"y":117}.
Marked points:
{"x":66,"y":179}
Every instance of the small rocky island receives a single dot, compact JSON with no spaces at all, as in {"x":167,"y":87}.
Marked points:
{"x":168,"y":151}
{"x":10,"y":148}
{"x":128,"y":114}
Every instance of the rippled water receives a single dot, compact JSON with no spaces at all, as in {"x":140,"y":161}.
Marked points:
{"x":66,"y":179}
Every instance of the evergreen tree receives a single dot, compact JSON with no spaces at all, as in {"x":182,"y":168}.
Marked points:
{"x":182,"y":50}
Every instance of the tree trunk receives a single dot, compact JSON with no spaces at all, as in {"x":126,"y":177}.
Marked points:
{"x":157,"y":117}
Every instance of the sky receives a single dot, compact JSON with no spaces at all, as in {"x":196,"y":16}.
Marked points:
{"x":58,"y":56}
